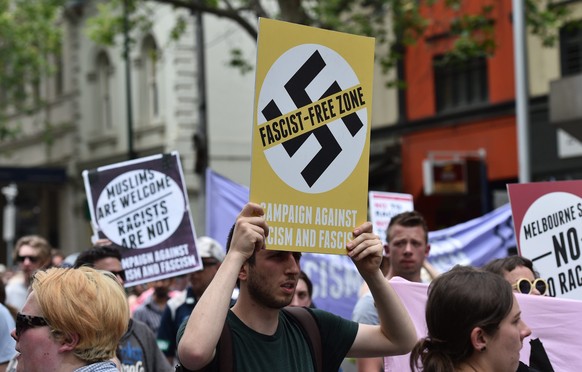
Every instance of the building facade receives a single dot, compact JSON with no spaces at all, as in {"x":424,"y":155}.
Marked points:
{"x":87,"y":122}
{"x":458,"y":148}
{"x":449,"y":138}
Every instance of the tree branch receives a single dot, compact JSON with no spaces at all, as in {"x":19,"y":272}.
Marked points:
{"x":232,"y":14}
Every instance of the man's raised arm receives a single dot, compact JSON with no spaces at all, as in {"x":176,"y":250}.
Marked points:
{"x":197,"y":346}
{"x":396,"y":333}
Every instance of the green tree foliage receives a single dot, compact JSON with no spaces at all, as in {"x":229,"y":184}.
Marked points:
{"x":30,"y":34}
{"x":30,"y":37}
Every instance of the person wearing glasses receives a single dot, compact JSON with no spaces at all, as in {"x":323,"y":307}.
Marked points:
{"x":71,"y":322}
{"x":32,"y":253}
{"x":519,"y":272}
{"x":137,"y":349}
{"x":474,"y":324}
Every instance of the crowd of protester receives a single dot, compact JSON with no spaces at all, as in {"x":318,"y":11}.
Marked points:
{"x":53,"y":308}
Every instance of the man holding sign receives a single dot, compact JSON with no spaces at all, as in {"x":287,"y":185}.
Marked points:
{"x":264,"y":337}
{"x":309,"y":180}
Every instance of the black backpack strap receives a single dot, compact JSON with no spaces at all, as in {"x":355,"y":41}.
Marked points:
{"x":301,"y":316}
{"x":310,"y":329}
{"x":224,"y":350}
{"x":224,"y":353}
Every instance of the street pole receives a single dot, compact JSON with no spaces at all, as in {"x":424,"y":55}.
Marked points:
{"x":130,"y":150}
{"x":201,"y":136}
{"x":521,"y":91}
{"x":9,"y":227}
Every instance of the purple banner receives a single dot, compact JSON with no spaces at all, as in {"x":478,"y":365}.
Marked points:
{"x":474,"y":242}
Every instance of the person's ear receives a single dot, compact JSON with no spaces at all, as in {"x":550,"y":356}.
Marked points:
{"x":426,"y":252}
{"x":479,"y":339}
{"x":69,"y":342}
{"x":243,"y":274}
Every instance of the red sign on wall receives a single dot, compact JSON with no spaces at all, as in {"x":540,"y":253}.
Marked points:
{"x":445,"y":177}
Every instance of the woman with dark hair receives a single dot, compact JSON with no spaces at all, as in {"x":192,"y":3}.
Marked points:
{"x":473,"y":322}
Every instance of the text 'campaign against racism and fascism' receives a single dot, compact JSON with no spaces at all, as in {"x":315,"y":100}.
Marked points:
{"x":324,"y":232}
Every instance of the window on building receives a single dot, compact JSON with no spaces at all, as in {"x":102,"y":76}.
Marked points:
{"x":150,"y":94}
{"x":104,"y":120}
{"x":571,"y":49}
{"x":460,"y":84}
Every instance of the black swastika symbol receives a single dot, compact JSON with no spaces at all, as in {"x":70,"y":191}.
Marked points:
{"x":330,"y":148}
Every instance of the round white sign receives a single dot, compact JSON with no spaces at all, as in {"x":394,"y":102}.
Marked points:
{"x":140,"y":208}
{"x":323,"y":158}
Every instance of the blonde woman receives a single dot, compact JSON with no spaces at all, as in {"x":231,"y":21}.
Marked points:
{"x":71,"y":322}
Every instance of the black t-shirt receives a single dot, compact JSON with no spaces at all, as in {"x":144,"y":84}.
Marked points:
{"x":287,"y":350}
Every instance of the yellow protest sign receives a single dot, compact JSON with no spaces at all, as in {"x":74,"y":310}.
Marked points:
{"x":311,"y":135}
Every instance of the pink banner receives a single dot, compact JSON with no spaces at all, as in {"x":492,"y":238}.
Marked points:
{"x":554,"y":321}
